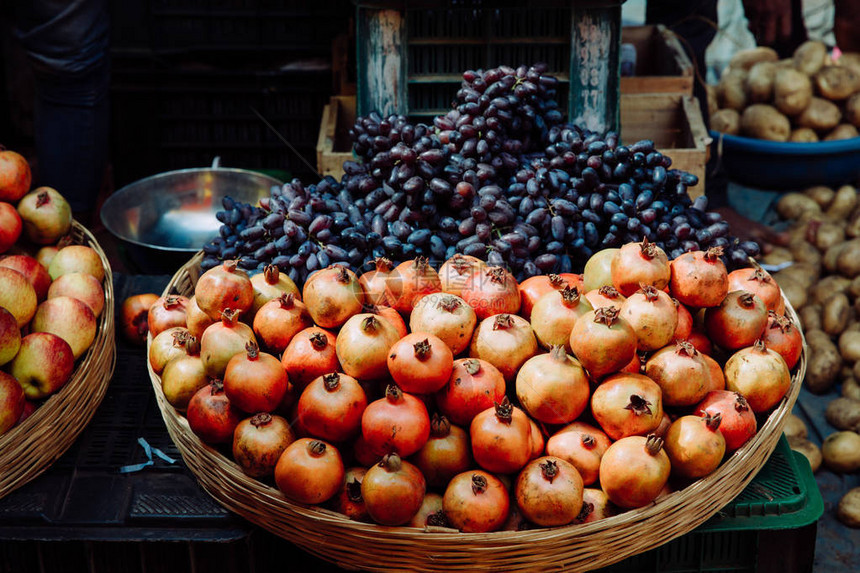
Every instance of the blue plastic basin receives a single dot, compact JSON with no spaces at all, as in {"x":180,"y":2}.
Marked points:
{"x":782,"y":165}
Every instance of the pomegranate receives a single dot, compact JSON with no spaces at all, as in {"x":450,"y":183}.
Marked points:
{"x":374,"y":284}
{"x":661,"y":430}
{"x":446,"y":453}
{"x":420,"y":363}
{"x":476,"y":501}
{"x":223,"y":340}
{"x":549,"y":492}
{"x":363,"y":453}
{"x":582,"y":445}
{"x":783,"y":336}
{"x":332,"y":296}
{"x":760,"y":375}
{"x":603,"y":342}
{"x":397,"y":422}
{"x":269,"y":285}
{"x":166,"y":346}
{"x":695,"y":445}
{"x":448,"y":317}
{"x":595,"y":506}
{"x":653,"y":316}
{"x":553,"y":388}
{"x":738,"y":423}
{"x":279,"y":320}
{"x":457,"y":271}
{"x":598,"y":269}
{"x":535,"y":287}
{"x":536,"y":440}
{"x":634,"y":470}
{"x":492,"y":290}
{"x":309,"y":471}
{"x":11,"y":226}
{"x":759,"y":282}
{"x":392,"y":316}
{"x":393,"y":490}
{"x":555,"y":314}
{"x":255,"y":381}
{"x":46,"y":215}
{"x":133,"y":316}
{"x":330,"y":407}
{"x":258,"y":443}
{"x":431,"y":513}
{"x":410,"y":281}
{"x":500,"y":438}
{"x":638,"y":264}
{"x":627,"y":405}
{"x":685,"y":322}
{"x":474,"y":386}
{"x":681,"y":372}
{"x":506,"y":341}
{"x":607,"y":295}
{"x":700,"y":340}
{"x":211,"y":416}
{"x":166,"y":312}
{"x":699,"y":278}
{"x":184,"y":375}
{"x":739,"y":321}
{"x":716,"y":380}
{"x":15,"y":175}
{"x":310,"y":354}
{"x":35,"y":273}
{"x":348,"y":500}
{"x":222,"y":287}
{"x":363,"y":345}
{"x":195,"y":319}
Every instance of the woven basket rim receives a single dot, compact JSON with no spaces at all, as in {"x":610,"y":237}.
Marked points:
{"x":31,"y":447}
{"x":338,"y":539}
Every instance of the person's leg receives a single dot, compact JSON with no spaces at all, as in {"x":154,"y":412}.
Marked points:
{"x":846,"y":25}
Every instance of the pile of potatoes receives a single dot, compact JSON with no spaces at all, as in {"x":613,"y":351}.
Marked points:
{"x":805,"y":98}
{"x":823,"y":285}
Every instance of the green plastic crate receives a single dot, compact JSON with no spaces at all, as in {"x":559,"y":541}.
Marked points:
{"x":769,"y":527}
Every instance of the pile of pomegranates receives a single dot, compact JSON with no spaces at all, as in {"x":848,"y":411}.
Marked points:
{"x":456,"y":397}
{"x":51,"y":293}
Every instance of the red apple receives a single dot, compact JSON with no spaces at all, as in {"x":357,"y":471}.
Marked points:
{"x":32,"y":270}
{"x":29,"y":408}
{"x":15,"y":176}
{"x":46,"y":254}
{"x":17,"y":295}
{"x":76,"y":259}
{"x":46,"y":214}
{"x":10,"y":226}
{"x":10,"y":336}
{"x":82,"y":286}
{"x":68,"y":318}
{"x":43,"y":365}
{"x":11,"y":402}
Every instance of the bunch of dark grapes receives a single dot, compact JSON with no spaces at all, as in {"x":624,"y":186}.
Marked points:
{"x":499,"y":177}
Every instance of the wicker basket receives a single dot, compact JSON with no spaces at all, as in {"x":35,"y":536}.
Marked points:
{"x":366,"y":546}
{"x":31,"y":447}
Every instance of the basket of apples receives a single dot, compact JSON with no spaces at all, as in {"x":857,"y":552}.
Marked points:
{"x":419,"y":418}
{"x":56,"y":325}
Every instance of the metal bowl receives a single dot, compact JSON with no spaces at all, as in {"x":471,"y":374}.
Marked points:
{"x":169,"y":216}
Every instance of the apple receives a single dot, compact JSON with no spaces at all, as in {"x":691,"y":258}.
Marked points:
{"x":76,"y":259}
{"x":43,"y":365}
{"x":10,"y":336}
{"x":11,"y":401}
{"x":32,"y":270}
{"x":17,"y":295}
{"x":29,"y":408}
{"x":10,"y":226}
{"x":46,"y":254}
{"x":68,"y":318}
{"x":15,"y":176}
{"x":46,"y":214}
{"x":82,"y":286}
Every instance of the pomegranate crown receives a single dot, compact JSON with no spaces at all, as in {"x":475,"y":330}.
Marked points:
{"x":607,"y":315}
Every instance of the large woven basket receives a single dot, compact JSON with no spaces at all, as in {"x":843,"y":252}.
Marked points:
{"x":356,"y":545}
{"x":32,"y":446}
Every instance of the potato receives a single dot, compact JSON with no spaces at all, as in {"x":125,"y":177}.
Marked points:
{"x":848,"y":261}
{"x":826,"y":287}
{"x":849,"y":345}
{"x":847,"y":369}
{"x":821,"y":194}
{"x":810,"y":317}
{"x":809,"y":57}
{"x":759,"y":82}
{"x":792,"y":91}
{"x":765,"y":122}
{"x":852,"y":110}
{"x":794,"y":205}
{"x":809,"y":450}
{"x":794,"y":292}
{"x":777,"y":256}
{"x":745,"y":59}
{"x":850,"y":60}
{"x":824,"y":362}
{"x":841,"y":451}
{"x":842,"y":131}
{"x":726,"y":121}
{"x":843,"y":414}
{"x":801,"y":272}
{"x":837,"y":82}
{"x":731,"y":91}
{"x":826,"y":235}
{"x":831,"y":256}
{"x":848,"y":510}
{"x":835,"y":313}
{"x":852,"y":226}
{"x":794,"y":427}
{"x":851,"y":388}
{"x":803,"y":135}
{"x":844,"y":202}
{"x":820,"y":115}
{"x":853,"y":289}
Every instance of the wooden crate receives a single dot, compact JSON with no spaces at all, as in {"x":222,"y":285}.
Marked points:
{"x":333,"y":145}
{"x":662,"y":65}
{"x":674,"y":122}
